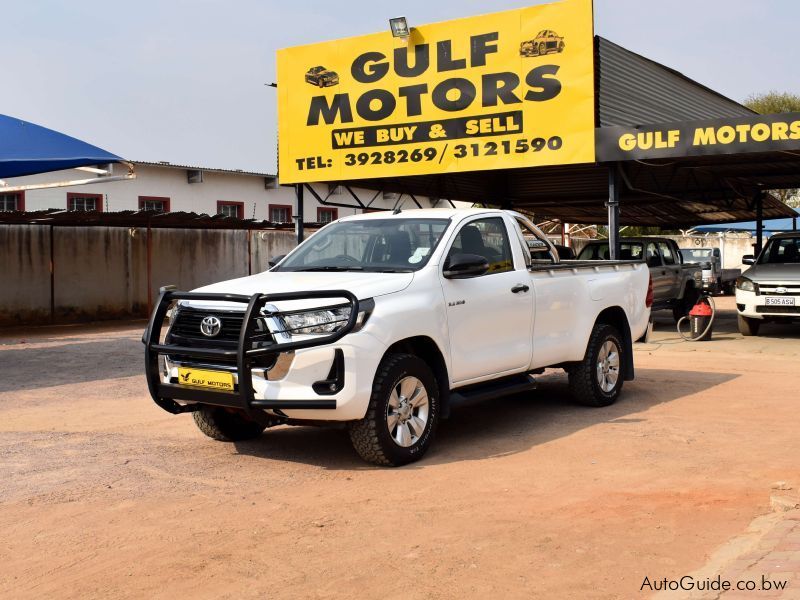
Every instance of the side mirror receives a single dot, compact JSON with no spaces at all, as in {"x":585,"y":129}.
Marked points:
{"x":275,"y":260}
{"x":462,"y":266}
{"x":748,"y":259}
{"x":654,"y":262}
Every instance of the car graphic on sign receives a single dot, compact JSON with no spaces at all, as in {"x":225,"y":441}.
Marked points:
{"x":545,"y":42}
{"x":322,"y":77}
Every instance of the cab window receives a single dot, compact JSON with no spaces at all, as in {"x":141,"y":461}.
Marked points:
{"x":653,"y":259}
{"x":487,"y":238}
{"x":666,"y":253}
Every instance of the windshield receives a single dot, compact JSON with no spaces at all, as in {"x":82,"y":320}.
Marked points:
{"x":781,"y":251}
{"x":692,"y":255}
{"x":377,"y":245}
{"x":627,"y":251}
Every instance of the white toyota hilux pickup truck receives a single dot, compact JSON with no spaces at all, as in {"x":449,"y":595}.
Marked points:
{"x":386,"y":321}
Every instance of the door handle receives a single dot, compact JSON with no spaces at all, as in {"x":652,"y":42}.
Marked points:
{"x":520,"y":287}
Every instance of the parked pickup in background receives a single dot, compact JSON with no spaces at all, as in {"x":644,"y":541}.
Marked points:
{"x":716,"y":280}
{"x":770,"y":289}
{"x":384,"y":322}
{"x":676,"y":285}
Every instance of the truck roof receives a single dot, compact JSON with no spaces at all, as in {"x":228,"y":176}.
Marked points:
{"x":426,"y":213}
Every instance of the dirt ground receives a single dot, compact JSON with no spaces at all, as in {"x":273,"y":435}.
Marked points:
{"x":102,"y":494}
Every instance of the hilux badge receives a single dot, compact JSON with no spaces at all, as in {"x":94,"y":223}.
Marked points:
{"x":210,"y":326}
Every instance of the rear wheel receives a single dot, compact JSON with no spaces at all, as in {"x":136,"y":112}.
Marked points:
{"x":226,"y":426}
{"x":685,"y":304}
{"x":597,"y":379}
{"x":747,"y":326}
{"x":402,"y":415}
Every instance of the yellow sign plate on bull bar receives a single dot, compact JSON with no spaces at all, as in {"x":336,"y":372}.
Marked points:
{"x":217,"y":380}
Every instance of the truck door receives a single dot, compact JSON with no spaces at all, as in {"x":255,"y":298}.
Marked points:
{"x":489,"y":316}
{"x":657,"y":272}
{"x":672,"y":267}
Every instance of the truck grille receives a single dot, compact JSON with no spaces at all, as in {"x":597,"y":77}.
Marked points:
{"x":185,"y":331}
{"x":187,"y":325}
{"x":768,"y":289}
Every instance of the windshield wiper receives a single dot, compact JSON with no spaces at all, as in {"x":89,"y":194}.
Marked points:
{"x":329,"y":268}
{"x":392,"y":270}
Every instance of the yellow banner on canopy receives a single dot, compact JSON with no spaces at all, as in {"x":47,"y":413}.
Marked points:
{"x":498,"y":91}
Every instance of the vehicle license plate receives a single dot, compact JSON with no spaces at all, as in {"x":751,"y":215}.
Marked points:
{"x":218,"y":380}
{"x":775,"y":301}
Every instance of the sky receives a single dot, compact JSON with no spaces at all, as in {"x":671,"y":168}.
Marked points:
{"x":183,"y":81}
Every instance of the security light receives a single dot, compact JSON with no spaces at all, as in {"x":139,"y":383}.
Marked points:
{"x":399,"y":27}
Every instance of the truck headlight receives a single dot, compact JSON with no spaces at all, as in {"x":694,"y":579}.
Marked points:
{"x":744,"y":284}
{"x":326,"y":320}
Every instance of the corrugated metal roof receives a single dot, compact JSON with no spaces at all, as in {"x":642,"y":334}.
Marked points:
{"x":141,"y":218}
{"x":169,"y":165}
{"x":633,"y":90}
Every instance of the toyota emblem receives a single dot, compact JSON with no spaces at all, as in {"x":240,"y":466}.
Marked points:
{"x":210,"y":326}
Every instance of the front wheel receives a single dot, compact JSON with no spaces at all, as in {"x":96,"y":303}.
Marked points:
{"x":597,"y":379}
{"x":402,"y":415}
{"x":747,"y":326}
{"x":226,"y":425}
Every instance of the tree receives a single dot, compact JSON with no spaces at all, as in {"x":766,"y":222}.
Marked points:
{"x":773,"y":102}
{"x":777,"y":102}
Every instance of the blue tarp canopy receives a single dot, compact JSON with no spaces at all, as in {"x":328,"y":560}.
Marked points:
{"x":770,"y":226}
{"x":27,"y":149}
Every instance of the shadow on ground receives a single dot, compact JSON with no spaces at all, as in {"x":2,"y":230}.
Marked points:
{"x":725,"y":322}
{"x":67,"y":363}
{"x":497,"y":427}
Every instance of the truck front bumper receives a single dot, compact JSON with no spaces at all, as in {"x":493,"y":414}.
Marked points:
{"x":316,"y":377}
{"x":754,"y":306}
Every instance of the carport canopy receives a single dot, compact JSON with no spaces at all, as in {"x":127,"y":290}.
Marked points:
{"x":676,"y":189}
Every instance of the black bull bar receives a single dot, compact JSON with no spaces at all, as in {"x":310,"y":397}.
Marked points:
{"x":249,"y":347}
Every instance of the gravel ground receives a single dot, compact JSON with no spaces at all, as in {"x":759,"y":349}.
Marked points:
{"x":102,"y":494}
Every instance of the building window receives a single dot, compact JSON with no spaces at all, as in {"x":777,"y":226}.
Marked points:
{"x":85,"y":202}
{"x":280,"y":213}
{"x":326,"y":215}
{"x":15,"y":201}
{"x":335,"y":189}
{"x":230,"y":209}
{"x":156,"y":203}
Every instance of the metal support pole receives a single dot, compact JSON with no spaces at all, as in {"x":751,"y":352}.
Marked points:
{"x":759,"y":221}
{"x":613,"y":212}
{"x":149,"y":267}
{"x":52,"y":278}
{"x":299,"y":213}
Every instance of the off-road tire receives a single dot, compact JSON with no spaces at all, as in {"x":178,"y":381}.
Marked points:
{"x":225,"y":426}
{"x":371,"y":437}
{"x":583,"y":384}
{"x":748,"y":327}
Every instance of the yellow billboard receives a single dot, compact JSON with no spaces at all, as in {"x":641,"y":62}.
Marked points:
{"x":498,"y":91}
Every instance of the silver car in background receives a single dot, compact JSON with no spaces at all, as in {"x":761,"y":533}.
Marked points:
{"x":770,"y":289}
